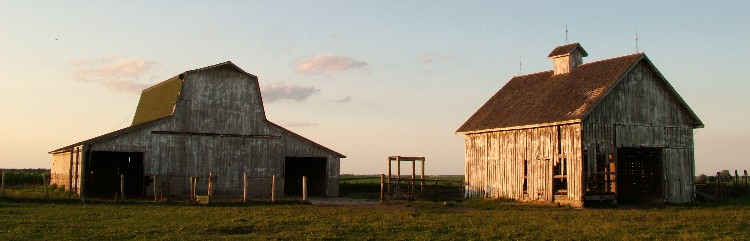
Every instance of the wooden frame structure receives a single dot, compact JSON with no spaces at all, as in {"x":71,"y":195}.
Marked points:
{"x":398,"y":180}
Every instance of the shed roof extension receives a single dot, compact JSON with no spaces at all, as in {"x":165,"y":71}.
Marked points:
{"x":545,"y":99}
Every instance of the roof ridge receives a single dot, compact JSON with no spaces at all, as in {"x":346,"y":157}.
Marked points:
{"x":613,"y":58}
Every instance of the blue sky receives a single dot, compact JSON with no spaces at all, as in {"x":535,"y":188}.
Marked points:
{"x":369,"y":79}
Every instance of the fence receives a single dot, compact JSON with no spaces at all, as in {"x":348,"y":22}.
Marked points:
{"x":34,"y":184}
{"x":417,"y":188}
{"x":723,"y":185}
{"x":30,"y":184}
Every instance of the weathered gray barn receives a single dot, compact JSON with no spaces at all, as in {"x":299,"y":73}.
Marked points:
{"x":613,"y":129}
{"x":208,"y":120}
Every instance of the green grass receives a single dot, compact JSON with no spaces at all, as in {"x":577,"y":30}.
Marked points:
{"x":469,"y":219}
{"x":368,"y":186}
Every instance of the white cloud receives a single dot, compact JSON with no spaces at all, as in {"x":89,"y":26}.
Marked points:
{"x":327,"y":64}
{"x":300,"y":124}
{"x":343,"y":100}
{"x":432,"y":57}
{"x":279,"y":91}
{"x":122,"y":75}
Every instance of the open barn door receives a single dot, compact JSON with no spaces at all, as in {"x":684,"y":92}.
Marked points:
{"x":640,"y":175}
{"x":312,"y":167}
{"x":105,"y":169}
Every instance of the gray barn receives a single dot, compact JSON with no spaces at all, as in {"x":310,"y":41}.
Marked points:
{"x":208,"y":120}
{"x":608,"y":130}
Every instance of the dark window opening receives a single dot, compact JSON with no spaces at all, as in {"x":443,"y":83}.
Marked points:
{"x":560,"y":177}
{"x":312,"y":167}
{"x":105,"y":170}
{"x":525,"y":176}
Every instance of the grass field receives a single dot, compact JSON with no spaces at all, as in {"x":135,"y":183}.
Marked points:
{"x":468,"y":219}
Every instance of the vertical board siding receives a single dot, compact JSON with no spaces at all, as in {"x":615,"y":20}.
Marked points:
{"x":495,"y":162}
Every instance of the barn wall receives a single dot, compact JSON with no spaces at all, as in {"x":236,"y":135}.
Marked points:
{"x":641,"y":112}
{"x":221,"y":100}
{"x":65,"y":168}
{"x":495,"y":162}
{"x":225,"y":158}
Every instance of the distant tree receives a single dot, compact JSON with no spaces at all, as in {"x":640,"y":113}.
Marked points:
{"x":701,"y":179}
{"x":726,"y":175}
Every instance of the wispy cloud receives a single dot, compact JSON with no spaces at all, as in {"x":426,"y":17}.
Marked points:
{"x":327,"y":64}
{"x":280,"y":91}
{"x":346,"y":99}
{"x":119,"y":75}
{"x":300,"y":124}
{"x":432,"y":57}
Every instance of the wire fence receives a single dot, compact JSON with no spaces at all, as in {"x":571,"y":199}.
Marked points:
{"x":30,"y":184}
{"x":429,"y":188}
{"x":724,"y":185}
{"x":34,"y":185}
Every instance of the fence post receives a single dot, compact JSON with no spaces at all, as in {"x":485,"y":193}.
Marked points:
{"x":273,"y":188}
{"x":46,"y":190}
{"x":210,"y":184}
{"x":304,"y":188}
{"x":122,"y":187}
{"x":193,"y":187}
{"x":718,"y":184}
{"x":244,"y":187}
{"x":382,"y":185}
{"x":2,"y":184}
{"x":156,"y":197}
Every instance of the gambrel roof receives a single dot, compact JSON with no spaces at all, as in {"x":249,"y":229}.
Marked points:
{"x":543,"y":98}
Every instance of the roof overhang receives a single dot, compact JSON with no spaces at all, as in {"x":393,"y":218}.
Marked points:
{"x":567,"y":122}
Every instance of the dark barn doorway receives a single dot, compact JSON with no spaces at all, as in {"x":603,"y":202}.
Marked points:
{"x":312,"y":167}
{"x":105,"y":168}
{"x":640,"y":175}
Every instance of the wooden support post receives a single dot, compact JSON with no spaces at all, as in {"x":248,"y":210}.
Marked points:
{"x":398,"y":167}
{"x":273,"y":188}
{"x":382,"y":186}
{"x":304,"y":188}
{"x":156,"y":197}
{"x":746,"y":181}
{"x":413,"y":174}
{"x":389,"y":176}
{"x":46,"y":190}
{"x":244,"y":187}
{"x":422,"y":176}
{"x":122,"y":187}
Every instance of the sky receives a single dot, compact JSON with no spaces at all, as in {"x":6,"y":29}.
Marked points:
{"x":369,"y":79}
